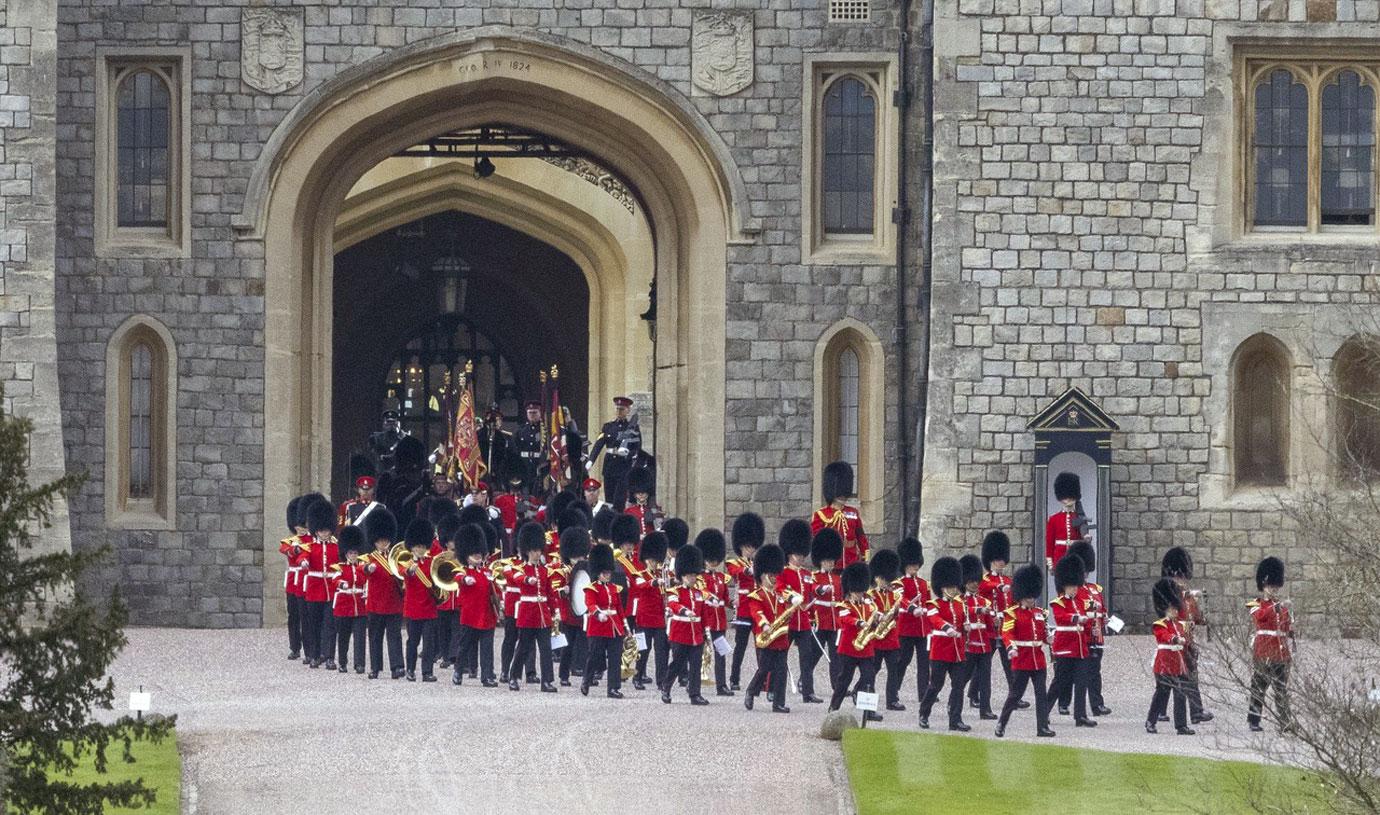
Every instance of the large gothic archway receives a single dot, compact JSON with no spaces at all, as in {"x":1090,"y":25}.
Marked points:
{"x":639,"y":127}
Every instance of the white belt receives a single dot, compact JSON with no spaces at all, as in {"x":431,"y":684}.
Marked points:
{"x":1068,"y":628}
{"x":295,"y":569}
{"x":531,"y":599}
{"x":1271,"y":634}
{"x":742,"y":592}
{"x":1166,"y":647}
{"x":1027,"y":644}
{"x":530,"y":455}
{"x":316,"y":574}
{"x":511,"y":590}
{"x":349,"y":591}
{"x":945,"y":634}
{"x":825,"y":603}
{"x":688,"y":618}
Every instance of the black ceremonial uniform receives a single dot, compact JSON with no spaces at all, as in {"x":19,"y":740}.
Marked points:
{"x":527,"y":442}
{"x":616,"y":436}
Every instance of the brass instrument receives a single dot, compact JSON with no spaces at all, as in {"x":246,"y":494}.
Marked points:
{"x":400,"y":560}
{"x":781,"y":624}
{"x":560,"y":580}
{"x":445,"y":569}
{"x":627,"y":564}
{"x":888,"y":623}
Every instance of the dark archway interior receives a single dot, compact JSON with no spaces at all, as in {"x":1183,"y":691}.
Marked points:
{"x":522,"y":297}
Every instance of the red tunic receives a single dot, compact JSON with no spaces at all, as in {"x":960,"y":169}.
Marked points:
{"x":1023,"y":629}
{"x":649,"y":518}
{"x":315,"y":587}
{"x":604,"y":597}
{"x":1091,"y":595}
{"x":1059,"y":534}
{"x":715,"y":588}
{"x":947,"y":618}
{"x":685,"y":624}
{"x":476,"y":598}
{"x":801,"y":581}
{"x":506,"y":504}
{"x":764,"y":607}
{"x":418,"y":601}
{"x":740,"y":572}
{"x":383,"y":595}
{"x":296,"y":564}
{"x":648,"y":609}
{"x":848,"y":523}
{"x":827,"y":594}
{"x":510,"y":589}
{"x":1270,"y":641}
{"x":981,"y":624}
{"x":915,"y":593}
{"x":350,"y":586}
{"x":884,"y":600}
{"x":560,"y":594}
{"x":996,"y":589}
{"x":1169,"y":648}
{"x":536,"y":600}
{"x":1192,"y":616}
{"x":1070,"y":632}
{"x":852,"y":617}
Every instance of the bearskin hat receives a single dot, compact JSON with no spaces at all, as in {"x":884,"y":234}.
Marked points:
{"x":827,"y":545}
{"x":1027,"y":583}
{"x":748,"y":530}
{"x":293,"y":516}
{"x":490,"y":537}
{"x":1085,"y":552}
{"x":885,"y":565}
{"x":447,"y":526}
{"x":640,"y":480}
{"x":689,"y":560}
{"x":1066,"y":486}
{"x":381,"y":525}
{"x":654,"y":547}
{"x":712,"y":545}
{"x":1269,"y":572}
{"x":677,"y":533}
{"x":306,"y":502}
{"x":474,"y":514}
{"x":971,"y":567}
{"x":838,"y":481}
{"x":471,"y":540}
{"x":625,"y":530}
{"x":409,"y":453}
{"x":1069,"y":571}
{"x":531,"y":538}
{"x":769,"y":559}
{"x":603,"y":524}
{"x":911,"y":552}
{"x":1165,"y":594}
{"x":583,"y":508}
{"x":856,"y":578}
{"x":601,"y":559}
{"x":419,"y":533}
{"x":558,"y":505}
{"x":427,"y":506}
{"x":946,"y":573}
{"x":1177,"y":562}
{"x":351,"y":539}
{"x":574,"y":544}
{"x":320,"y":515}
{"x":570,"y":518}
{"x":794,"y":537}
{"x":995,"y":546}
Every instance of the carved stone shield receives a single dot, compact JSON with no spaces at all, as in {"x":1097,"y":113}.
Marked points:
{"x":721,"y":51}
{"x":271,"y":48}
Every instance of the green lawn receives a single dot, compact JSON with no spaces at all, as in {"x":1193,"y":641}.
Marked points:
{"x":914,"y":773}
{"x":158,"y":764}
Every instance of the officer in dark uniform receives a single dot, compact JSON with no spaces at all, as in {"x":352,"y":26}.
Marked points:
{"x":527,"y":442}
{"x":383,"y":442}
{"x":621,"y":440}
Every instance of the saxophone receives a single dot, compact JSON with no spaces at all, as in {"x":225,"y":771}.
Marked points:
{"x":781,"y":624}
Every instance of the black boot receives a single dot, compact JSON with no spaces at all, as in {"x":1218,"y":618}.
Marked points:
{"x":294,"y":655}
{"x":895,"y":706}
{"x":398,"y":673}
{"x":1001,"y":730}
{"x":614,"y":694}
{"x":1084,"y":722}
{"x":547,"y":687}
{"x":871,"y":716}
{"x":775,"y":708}
{"x":411,"y":676}
{"x":1045,"y":732}
{"x":924,"y":722}
{"x":457,"y":677}
{"x":811,"y":699}
{"x":666,"y":696}
{"x":959,"y":726}
{"x":748,"y":699}
{"x":698,"y":701}
{"x":1150,"y":728}
{"x":428,"y":677}
{"x":722,"y":691}
{"x":1185,"y":731}
{"x":513,"y":684}
{"x":373,"y":674}
{"x":987,"y":716}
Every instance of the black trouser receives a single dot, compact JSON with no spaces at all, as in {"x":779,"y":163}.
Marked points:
{"x":1267,"y":675}
{"x":918,"y":649}
{"x":656,"y":640}
{"x":605,"y":654}
{"x":510,"y":642}
{"x":472,"y":641}
{"x":344,"y":627}
{"x":317,"y":634}
{"x":1071,"y":675}
{"x":720,"y":661}
{"x":980,"y":681}
{"x":573,"y":654}
{"x":955,"y":673}
{"x":423,"y":633}
{"x":808,"y":651}
{"x":535,"y":640}
{"x":379,"y":624}
{"x":1017,"y":690}
{"x":844,"y":666}
{"x":1005,"y":662}
{"x":1191,"y":689}
{"x":1094,"y":680}
{"x":742,"y":638}
{"x":447,"y":634}
{"x":771,"y":663}
{"x":1164,"y":686}
{"x":294,"y":610}
{"x":685,"y":661}
{"x":890,"y":659}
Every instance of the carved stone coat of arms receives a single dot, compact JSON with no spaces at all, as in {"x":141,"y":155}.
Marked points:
{"x":271,"y":48}
{"x":721,"y":55}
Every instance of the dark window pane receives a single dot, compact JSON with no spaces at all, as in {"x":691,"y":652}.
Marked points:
{"x":1348,"y":143}
{"x":1357,"y":367}
{"x":143,"y":137}
{"x":140,"y":420}
{"x":1261,"y":406}
{"x":847,"y":193}
{"x":1281,"y":151}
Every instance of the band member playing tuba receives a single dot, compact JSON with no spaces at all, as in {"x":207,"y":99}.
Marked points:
{"x":770,"y":610}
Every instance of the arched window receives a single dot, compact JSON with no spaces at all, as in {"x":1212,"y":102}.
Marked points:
{"x":1356,"y":370}
{"x":846,"y":408}
{"x":848,"y":168}
{"x":1348,"y":144}
{"x":1260,"y":404}
{"x":1281,"y":151}
{"x":141,"y":426}
{"x":143,"y":138}
{"x":850,"y":409}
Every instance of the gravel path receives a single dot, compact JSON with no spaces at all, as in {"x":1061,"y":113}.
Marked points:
{"x":256,"y":729}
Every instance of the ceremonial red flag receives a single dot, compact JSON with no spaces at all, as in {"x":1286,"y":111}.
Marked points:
{"x":469,"y":460}
{"x":556,"y":456}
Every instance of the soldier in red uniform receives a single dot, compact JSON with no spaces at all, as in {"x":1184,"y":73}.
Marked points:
{"x":947,"y":617}
{"x":910,"y":620}
{"x":357,"y":509}
{"x":1094,"y":602}
{"x":290,"y":547}
{"x":648,"y":513}
{"x":856,"y":646}
{"x":648,"y":611}
{"x":419,"y":601}
{"x":383,"y":597}
{"x":1070,"y":615}
{"x":605,"y":628}
{"x":766,"y":606}
{"x":574,"y":552}
{"x":347,"y":607}
{"x":1064,"y":527}
{"x":749,"y":533}
{"x":796,"y":579}
{"x":479,"y":606}
{"x":1169,"y":664}
{"x":885,"y":567}
{"x":1023,"y":639}
{"x":685,"y":625}
{"x":448,"y":612}
{"x":714,"y":584}
{"x":1177,"y":565}
{"x":996,"y":589}
{"x":1274,"y":632}
{"x":838,"y":515}
{"x":536,"y":605}
{"x":825,"y":551}
{"x":318,"y":633}
{"x":978,"y":639}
